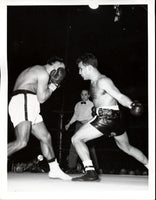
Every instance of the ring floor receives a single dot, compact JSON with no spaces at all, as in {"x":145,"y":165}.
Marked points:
{"x":40,"y":186}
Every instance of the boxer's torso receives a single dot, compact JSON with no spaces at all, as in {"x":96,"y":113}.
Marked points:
{"x":28,"y":79}
{"x":100,"y":97}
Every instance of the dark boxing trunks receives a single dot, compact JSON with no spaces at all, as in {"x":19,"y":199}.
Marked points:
{"x":109,"y":122}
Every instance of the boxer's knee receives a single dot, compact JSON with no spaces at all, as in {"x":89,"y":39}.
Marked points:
{"x":126,"y":147}
{"x":76,"y":139}
{"x":21,"y":144}
{"x":73,"y":140}
{"x":46,"y":138}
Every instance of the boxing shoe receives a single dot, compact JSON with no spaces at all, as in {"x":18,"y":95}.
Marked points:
{"x":90,"y":175}
{"x":56,"y":173}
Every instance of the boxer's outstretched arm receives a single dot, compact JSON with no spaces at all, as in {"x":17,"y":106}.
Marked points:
{"x":108,"y":85}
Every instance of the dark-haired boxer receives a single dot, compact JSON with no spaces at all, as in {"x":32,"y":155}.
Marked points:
{"x":33,"y":87}
{"x":82,"y":114}
{"x":108,"y":121}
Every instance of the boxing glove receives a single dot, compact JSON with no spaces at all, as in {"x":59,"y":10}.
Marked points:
{"x":93,"y":111}
{"x":55,"y":78}
{"x":136,"y":108}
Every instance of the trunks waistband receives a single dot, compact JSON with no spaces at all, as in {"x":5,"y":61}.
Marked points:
{"x":104,"y":109}
{"x":16,"y":92}
{"x":115,"y":107}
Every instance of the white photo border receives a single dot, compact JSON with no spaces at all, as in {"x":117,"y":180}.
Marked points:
{"x":4,"y":194}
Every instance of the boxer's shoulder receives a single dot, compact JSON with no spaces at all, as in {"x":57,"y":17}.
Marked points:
{"x":104,"y":81}
{"x":40,"y":71}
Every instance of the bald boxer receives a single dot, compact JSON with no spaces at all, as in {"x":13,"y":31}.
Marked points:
{"x":108,"y":120}
{"x":33,"y":87}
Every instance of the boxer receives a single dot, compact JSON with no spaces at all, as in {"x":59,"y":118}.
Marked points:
{"x":107,"y":121}
{"x":82,"y":114}
{"x":33,"y":87}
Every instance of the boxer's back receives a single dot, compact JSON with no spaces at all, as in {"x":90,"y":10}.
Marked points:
{"x":28,"y":78}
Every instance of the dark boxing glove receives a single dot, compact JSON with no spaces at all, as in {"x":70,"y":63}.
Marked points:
{"x":136,"y":108}
{"x":93,"y":111}
{"x":56,"y":77}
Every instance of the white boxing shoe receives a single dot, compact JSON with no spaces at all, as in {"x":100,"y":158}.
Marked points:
{"x":56,"y":173}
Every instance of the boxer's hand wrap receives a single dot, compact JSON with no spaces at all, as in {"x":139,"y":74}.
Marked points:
{"x":56,"y":76}
{"x":53,"y":86}
{"x":136,"y":108}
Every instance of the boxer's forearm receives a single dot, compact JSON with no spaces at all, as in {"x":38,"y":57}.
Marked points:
{"x":46,"y":94}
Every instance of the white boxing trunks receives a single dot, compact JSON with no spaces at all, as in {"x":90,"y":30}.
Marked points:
{"x":24,"y":106}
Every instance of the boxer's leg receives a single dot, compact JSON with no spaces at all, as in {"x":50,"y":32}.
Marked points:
{"x":22,"y":133}
{"x":94,"y":156}
{"x":73,"y":156}
{"x":84,"y":134}
{"x":40,"y":131}
{"x":123,"y":143}
{"x":18,"y":115}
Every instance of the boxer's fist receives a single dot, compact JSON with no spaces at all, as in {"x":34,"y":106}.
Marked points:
{"x":93,"y":111}
{"x":136,"y":108}
{"x":56,"y":76}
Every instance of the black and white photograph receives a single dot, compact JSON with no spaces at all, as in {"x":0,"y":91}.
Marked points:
{"x":77,"y":83}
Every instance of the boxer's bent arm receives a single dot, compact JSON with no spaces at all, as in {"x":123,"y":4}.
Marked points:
{"x":43,"y":91}
{"x":111,"y":89}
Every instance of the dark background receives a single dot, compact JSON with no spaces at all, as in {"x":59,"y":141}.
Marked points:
{"x":36,"y":33}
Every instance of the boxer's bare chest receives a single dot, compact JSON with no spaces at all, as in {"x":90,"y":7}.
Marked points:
{"x":99,"y":96}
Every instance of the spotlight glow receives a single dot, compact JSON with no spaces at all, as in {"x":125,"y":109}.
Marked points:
{"x":93,"y":5}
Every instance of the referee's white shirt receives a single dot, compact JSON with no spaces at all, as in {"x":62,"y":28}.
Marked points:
{"x":82,"y":111}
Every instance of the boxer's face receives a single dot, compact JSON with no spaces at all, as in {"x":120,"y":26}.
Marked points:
{"x":57,"y":65}
{"x":83,"y":71}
